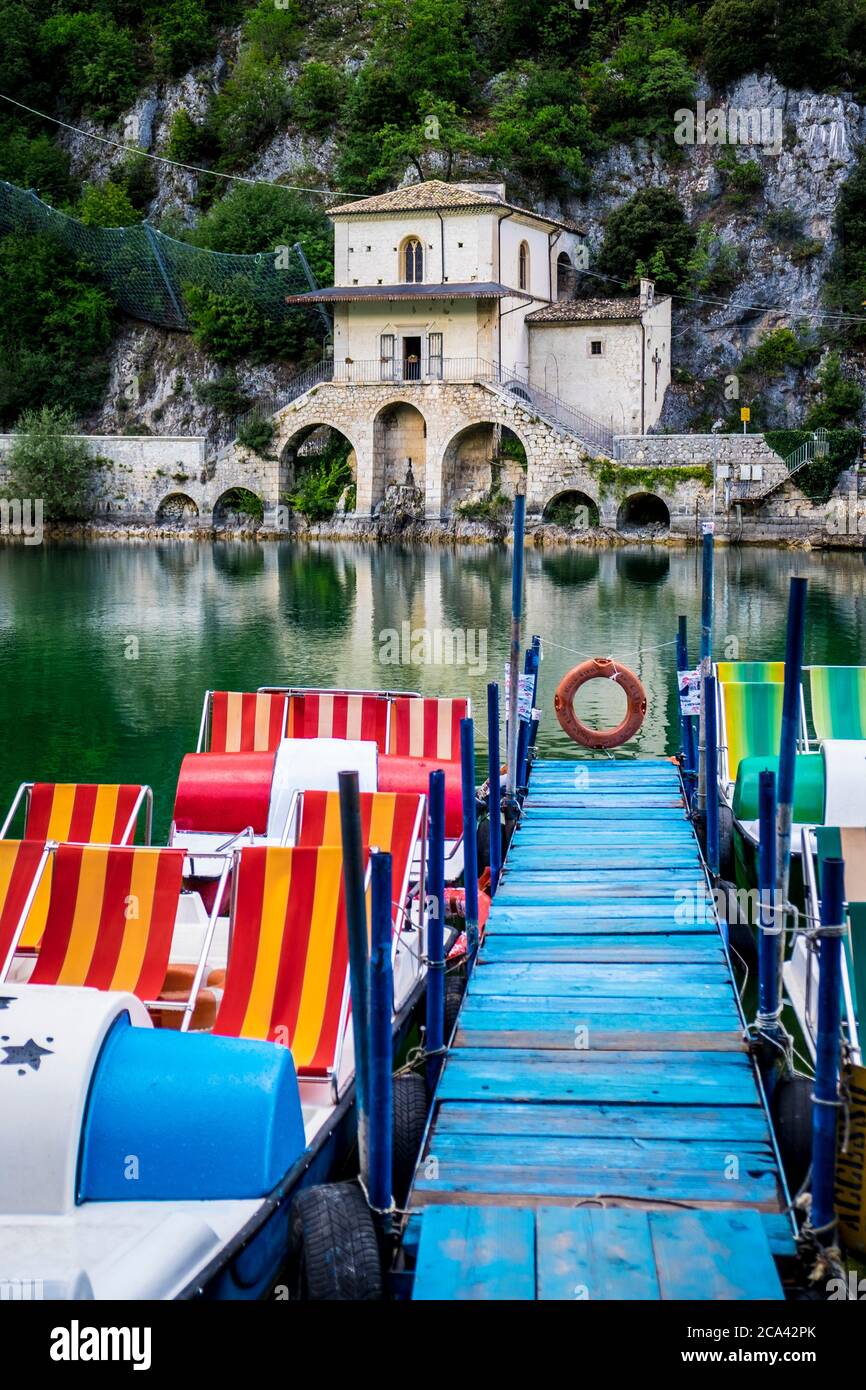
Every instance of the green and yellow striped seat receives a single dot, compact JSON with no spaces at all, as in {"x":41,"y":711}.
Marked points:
{"x":849,"y":843}
{"x":727,"y":671}
{"x":838,"y":701}
{"x":752,"y":721}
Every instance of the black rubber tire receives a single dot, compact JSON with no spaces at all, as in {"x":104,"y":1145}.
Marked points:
{"x":726,"y":841}
{"x":334,"y":1247}
{"x":741,"y":936}
{"x":409,"y":1120}
{"x":454,"y":987}
{"x":791,"y":1110}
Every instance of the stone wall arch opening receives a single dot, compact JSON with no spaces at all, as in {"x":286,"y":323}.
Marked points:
{"x":643,"y":513}
{"x":318,"y":472}
{"x":238,"y":509}
{"x":400,"y":457}
{"x":485,"y":463}
{"x":176,"y":510}
{"x":573,"y":509}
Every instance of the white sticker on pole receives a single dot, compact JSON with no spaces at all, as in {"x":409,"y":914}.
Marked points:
{"x":525,"y":691}
{"x":689,"y":686}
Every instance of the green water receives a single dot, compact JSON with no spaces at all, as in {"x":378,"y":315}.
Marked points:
{"x":106,"y":650}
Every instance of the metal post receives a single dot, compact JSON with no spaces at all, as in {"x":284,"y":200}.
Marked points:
{"x":379,"y":1181}
{"x":531,"y":664}
{"x":514,"y":658}
{"x":687,"y":728}
{"x":769,"y":1008}
{"x":493,"y":784}
{"x":470,"y":839}
{"x":712,"y":776}
{"x":788,"y":757}
{"x":356,"y":926}
{"x":523,"y":734}
{"x":826,"y":1094}
{"x":435,"y":926}
{"x":706,"y":659}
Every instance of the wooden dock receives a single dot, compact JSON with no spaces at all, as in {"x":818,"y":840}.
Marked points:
{"x":599,"y":1128}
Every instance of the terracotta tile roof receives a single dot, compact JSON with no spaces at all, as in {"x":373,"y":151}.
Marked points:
{"x":583,"y":310}
{"x":434,"y":195}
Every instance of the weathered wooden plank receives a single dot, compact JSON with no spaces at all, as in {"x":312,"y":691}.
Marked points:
{"x":589,"y":920}
{"x":613,"y":1184}
{"x":652,"y":1011}
{"x":671,"y":1078}
{"x":729,"y":1124}
{"x":713,"y":1255}
{"x":600,"y":1040}
{"x":591,"y":1254}
{"x":469,"y":1254}
{"x":684,"y":949}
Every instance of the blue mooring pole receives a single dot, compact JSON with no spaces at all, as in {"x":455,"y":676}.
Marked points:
{"x":531,"y":664}
{"x":769,"y":1011}
{"x":826,"y":1095}
{"x":686,"y":729}
{"x":788,"y":757}
{"x":514,"y":656}
{"x":470,"y":837}
{"x":356,"y":926}
{"x":712,"y":777}
{"x":435,"y":927}
{"x":379,"y":1181}
{"x":523,"y":736}
{"x":706,"y":662}
{"x":493,"y":784}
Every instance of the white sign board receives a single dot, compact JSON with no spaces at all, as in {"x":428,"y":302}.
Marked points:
{"x":689,"y":686}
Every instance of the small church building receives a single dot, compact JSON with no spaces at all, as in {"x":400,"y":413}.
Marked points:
{"x":439,"y":285}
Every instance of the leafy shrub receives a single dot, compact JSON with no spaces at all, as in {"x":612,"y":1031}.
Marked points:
{"x":252,"y":105}
{"x":540,"y":128}
{"x":320,"y":486}
{"x":784,"y":224}
{"x":276,"y":32}
{"x":224,"y":393}
{"x":181,"y":36}
{"x":45,"y":463}
{"x":257,"y":435}
{"x":106,"y":205}
{"x":186,"y":139}
{"x":96,"y":60}
{"x":775,"y":354}
{"x":493,"y":507}
{"x":743,"y":180}
{"x":818,"y":478}
{"x":226,"y":325}
{"x":317,"y":97}
{"x":137,"y":177}
{"x":648,"y":233}
{"x":841,"y":400}
{"x":258,"y":217}
{"x":36,"y":162}
{"x":714,"y":265}
{"x":846,"y":282}
{"x":55,"y":325}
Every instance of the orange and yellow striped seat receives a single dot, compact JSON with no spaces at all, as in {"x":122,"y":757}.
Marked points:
{"x":327,"y":714}
{"x":422,"y":728}
{"x":288,"y":971}
{"x":83,"y":812}
{"x":391,"y":821}
{"x":20,"y":862}
{"x":246,"y":722}
{"x":110,"y":918}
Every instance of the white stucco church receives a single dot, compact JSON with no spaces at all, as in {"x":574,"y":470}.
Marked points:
{"x":438,"y":282}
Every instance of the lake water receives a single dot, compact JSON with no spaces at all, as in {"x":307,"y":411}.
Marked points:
{"x":106,"y":649}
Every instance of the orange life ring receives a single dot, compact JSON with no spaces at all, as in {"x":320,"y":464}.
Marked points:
{"x":607,"y":669}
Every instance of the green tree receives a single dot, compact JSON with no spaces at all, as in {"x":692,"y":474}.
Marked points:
{"x":540,"y":128}
{"x":648,"y":233}
{"x":277,"y":32}
{"x":441,"y":134}
{"x":427,"y":41}
{"x":317,"y":97}
{"x":106,"y":205}
{"x":846,"y":281}
{"x":185,"y":138}
{"x":840,"y":400}
{"x":736,"y":36}
{"x":181,"y":36}
{"x":96,"y":60}
{"x":258,"y":217}
{"x":36,"y":162}
{"x":252,"y":105}
{"x":45,"y":463}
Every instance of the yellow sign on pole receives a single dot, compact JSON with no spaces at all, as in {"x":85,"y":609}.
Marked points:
{"x":745,"y":412}
{"x":851,"y":1165}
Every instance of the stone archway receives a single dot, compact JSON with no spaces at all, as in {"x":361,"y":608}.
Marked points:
{"x":399,"y":449}
{"x":572,"y":508}
{"x":643,"y":512}
{"x":177,"y":510}
{"x":484,"y":459}
{"x":318,"y":470}
{"x":238,"y":509}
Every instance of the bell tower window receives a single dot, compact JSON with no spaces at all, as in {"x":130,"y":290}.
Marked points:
{"x":413,"y":261}
{"x":523,"y":266}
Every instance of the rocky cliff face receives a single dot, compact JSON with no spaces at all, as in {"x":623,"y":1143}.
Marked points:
{"x":152,"y":371}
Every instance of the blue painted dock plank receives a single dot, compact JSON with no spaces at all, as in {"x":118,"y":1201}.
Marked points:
{"x":599,"y":1053}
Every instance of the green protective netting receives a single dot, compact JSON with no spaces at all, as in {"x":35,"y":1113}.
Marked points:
{"x":147,"y":272}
